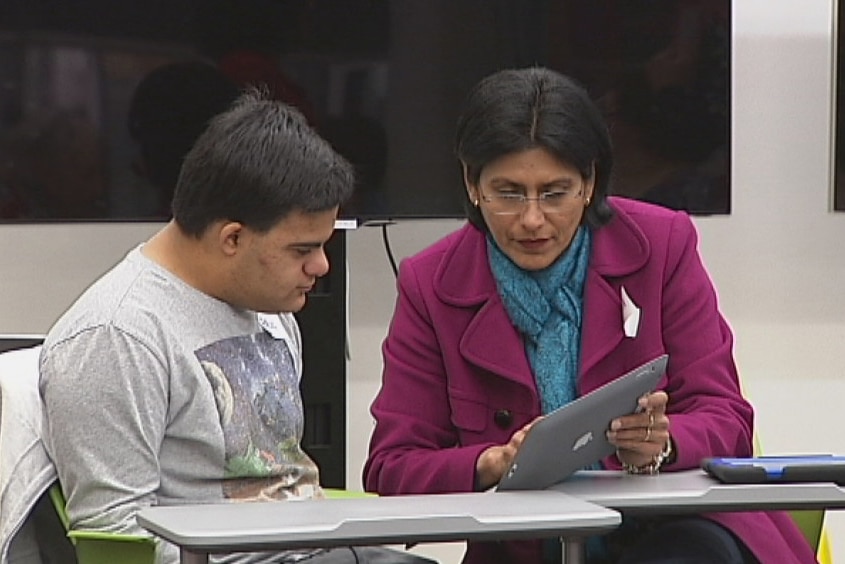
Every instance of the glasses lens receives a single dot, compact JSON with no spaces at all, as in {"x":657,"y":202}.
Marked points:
{"x":508,"y":204}
{"x":555,"y":202}
{"x":514,"y":204}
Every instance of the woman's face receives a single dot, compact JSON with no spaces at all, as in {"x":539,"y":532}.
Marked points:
{"x":532,"y":233}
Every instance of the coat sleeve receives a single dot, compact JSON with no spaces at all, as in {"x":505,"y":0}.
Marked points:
{"x":708,"y":414}
{"x":415,"y":444}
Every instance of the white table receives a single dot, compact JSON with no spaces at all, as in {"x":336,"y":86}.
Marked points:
{"x":238,"y":527}
{"x":694,"y":491}
{"x":691,"y":491}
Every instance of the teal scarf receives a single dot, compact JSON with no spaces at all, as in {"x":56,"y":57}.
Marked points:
{"x":546,"y":306}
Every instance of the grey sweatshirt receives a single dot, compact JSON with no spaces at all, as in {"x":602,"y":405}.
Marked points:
{"x":156,"y":393}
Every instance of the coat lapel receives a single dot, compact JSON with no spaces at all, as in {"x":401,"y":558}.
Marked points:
{"x":620,"y":248}
{"x":490,"y":341}
{"x":601,"y":331}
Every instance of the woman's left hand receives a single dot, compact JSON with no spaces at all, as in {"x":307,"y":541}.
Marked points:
{"x":641,"y":436}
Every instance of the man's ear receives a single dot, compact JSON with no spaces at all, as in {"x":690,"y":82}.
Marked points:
{"x":230,"y":237}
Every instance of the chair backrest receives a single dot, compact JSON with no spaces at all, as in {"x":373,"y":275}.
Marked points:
{"x":22,"y":478}
{"x":11,"y":342}
{"x":47,"y":526}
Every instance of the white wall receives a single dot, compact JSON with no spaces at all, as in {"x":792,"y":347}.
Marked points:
{"x":778,"y":259}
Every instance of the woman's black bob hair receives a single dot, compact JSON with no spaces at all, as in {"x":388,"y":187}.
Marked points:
{"x":516,"y":110}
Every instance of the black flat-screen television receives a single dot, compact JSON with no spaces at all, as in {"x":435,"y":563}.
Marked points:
{"x":382,"y":80}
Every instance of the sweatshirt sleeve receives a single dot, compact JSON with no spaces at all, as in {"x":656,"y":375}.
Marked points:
{"x":105,"y":397}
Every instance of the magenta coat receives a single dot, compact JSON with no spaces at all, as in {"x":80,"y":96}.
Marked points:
{"x":457,"y":379}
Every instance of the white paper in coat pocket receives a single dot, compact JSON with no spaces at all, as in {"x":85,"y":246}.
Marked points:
{"x":630,"y":315}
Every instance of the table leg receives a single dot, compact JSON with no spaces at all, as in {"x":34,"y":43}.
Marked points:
{"x":189,"y":557}
{"x":573,"y":551}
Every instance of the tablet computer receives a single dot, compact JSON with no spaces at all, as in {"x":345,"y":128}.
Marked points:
{"x":573,"y":437}
{"x":768,"y":469}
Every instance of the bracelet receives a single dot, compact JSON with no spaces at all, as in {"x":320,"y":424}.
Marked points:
{"x":652,"y":467}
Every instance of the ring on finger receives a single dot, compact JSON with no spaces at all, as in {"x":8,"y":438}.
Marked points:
{"x":647,"y":434}
{"x":650,"y":420}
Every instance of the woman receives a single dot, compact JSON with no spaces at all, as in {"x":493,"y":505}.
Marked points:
{"x":521,"y":311}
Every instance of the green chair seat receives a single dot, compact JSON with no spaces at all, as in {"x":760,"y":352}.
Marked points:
{"x":94,"y":547}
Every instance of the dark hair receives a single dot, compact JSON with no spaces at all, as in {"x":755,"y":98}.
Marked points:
{"x":519,"y":109}
{"x":170,"y":108}
{"x":254,"y":164}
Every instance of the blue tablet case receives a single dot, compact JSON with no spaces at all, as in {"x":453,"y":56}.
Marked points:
{"x":769,"y":469}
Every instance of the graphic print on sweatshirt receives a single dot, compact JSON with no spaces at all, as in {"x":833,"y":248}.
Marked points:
{"x":256,"y":390}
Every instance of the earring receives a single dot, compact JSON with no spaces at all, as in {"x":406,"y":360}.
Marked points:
{"x":475,"y":203}
{"x":587,"y":202}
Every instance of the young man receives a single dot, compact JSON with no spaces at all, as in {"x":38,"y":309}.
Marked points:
{"x":174,"y":378}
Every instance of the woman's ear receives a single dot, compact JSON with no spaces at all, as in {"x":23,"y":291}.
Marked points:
{"x":590,"y":185}
{"x":472,"y":189}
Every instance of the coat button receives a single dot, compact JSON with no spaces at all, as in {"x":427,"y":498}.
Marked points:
{"x":503,"y":418}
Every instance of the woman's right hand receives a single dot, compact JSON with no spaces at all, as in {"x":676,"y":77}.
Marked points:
{"x":495,"y":461}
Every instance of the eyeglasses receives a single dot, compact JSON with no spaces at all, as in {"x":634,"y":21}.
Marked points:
{"x":515,"y":203}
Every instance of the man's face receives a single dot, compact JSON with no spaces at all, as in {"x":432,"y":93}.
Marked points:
{"x":275,"y":270}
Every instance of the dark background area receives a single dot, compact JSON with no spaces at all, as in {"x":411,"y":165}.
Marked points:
{"x":381,"y":79}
